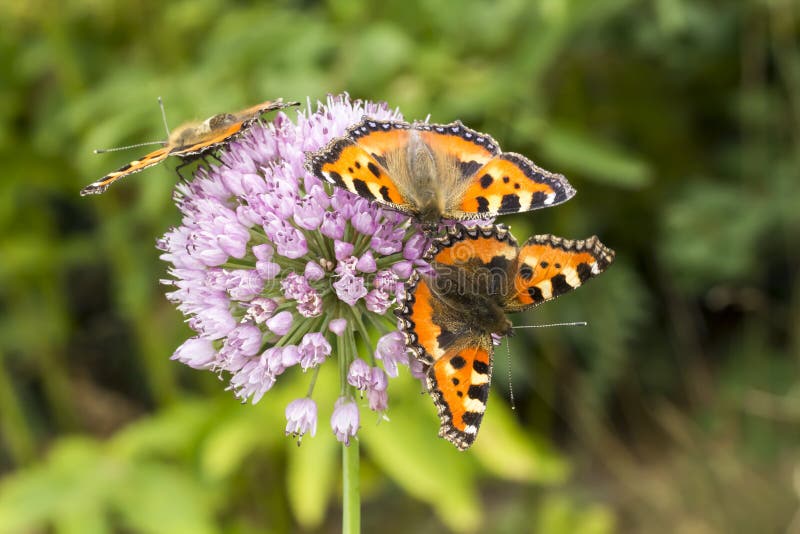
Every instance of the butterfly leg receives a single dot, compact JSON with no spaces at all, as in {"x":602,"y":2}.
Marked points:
{"x":213,"y":155}
{"x":184,"y":163}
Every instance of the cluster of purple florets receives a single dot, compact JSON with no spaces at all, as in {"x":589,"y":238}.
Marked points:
{"x":270,"y":267}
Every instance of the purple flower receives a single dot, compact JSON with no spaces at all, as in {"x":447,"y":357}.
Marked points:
{"x":345,"y":419}
{"x":261,"y":309}
{"x":415,"y":247}
{"x":391,"y":350}
{"x":313,"y":350}
{"x":378,"y":399}
{"x":308,"y":213}
{"x":359,"y":376}
{"x":306,"y":260}
{"x":294,"y":286}
{"x":332,"y":225}
{"x":343,"y":249}
{"x":366,"y":263}
{"x":364,"y":222}
{"x":313,"y":271}
{"x":301,"y":418}
{"x":350,"y":288}
{"x":337,"y":326}
{"x":280,"y":323}
{"x":196,"y":352}
{"x":378,"y":301}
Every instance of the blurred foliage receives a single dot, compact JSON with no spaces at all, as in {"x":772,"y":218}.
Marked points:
{"x":678,"y":121}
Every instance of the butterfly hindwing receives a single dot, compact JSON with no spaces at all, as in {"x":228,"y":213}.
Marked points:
{"x":458,"y":364}
{"x":220,"y":129}
{"x":478,"y":247}
{"x":550,"y":266}
{"x":459,"y":384}
{"x":416,"y":320}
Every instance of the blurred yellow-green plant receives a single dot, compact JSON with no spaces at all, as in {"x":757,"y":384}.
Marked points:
{"x":678,"y":122}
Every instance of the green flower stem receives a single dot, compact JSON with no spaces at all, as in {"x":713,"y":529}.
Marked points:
{"x":351,"y":491}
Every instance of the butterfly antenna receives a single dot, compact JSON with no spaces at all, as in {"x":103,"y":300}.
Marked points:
{"x":578,"y":323}
{"x":163,"y":115}
{"x":115,"y":149}
{"x":510,"y":386}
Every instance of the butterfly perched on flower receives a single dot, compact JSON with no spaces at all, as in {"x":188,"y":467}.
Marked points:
{"x":479,"y":275}
{"x":189,"y":141}
{"x":435,"y":171}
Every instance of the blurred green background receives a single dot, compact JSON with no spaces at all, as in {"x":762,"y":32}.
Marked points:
{"x":675,"y":410}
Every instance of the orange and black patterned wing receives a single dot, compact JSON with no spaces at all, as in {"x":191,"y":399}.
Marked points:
{"x":153,"y":158}
{"x":458,"y":362}
{"x":356,"y":161}
{"x":469,"y":148}
{"x":511,"y":183}
{"x":225,"y":127}
{"x":481,"y":251}
{"x":459,"y":384}
{"x":550,"y":266}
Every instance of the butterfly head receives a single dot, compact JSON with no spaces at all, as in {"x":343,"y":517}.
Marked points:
{"x":494,"y":321}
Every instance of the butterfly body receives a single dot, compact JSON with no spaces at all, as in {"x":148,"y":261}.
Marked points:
{"x":435,"y":171}
{"x":191,"y":140}
{"x":479,"y":276}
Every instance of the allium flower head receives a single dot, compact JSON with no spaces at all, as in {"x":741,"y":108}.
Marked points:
{"x":276,"y":271}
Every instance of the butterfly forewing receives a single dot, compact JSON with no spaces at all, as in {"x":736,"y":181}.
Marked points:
{"x":511,"y":183}
{"x":153,"y":158}
{"x":347,"y":164}
{"x":550,"y":266}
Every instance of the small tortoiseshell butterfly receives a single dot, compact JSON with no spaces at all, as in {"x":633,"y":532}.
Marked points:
{"x":435,"y":171}
{"x":479,"y":275}
{"x":189,"y":141}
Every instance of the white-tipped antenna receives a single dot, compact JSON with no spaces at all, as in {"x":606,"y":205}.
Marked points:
{"x":115,"y":149}
{"x":162,"y":143}
{"x":163,"y":115}
{"x":508,"y":349}
{"x":510,"y":386}
{"x":578,"y":323}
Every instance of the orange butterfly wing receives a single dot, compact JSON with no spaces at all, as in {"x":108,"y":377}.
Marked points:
{"x":356,"y":161}
{"x":511,"y":183}
{"x":200,"y":144}
{"x":472,"y":149}
{"x":153,"y":158}
{"x":550,"y":266}
{"x":459,"y":384}
{"x":218,"y":136}
{"x":458,"y":367}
